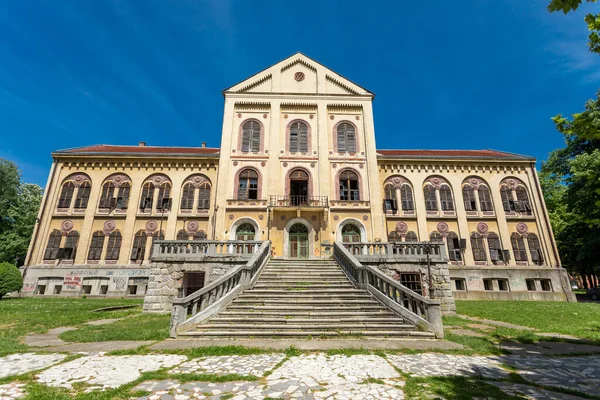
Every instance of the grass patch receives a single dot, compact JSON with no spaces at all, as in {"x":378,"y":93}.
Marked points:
{"x":348,"y":352}
{"x":139,"y":327}
{"x":20,"y":316}
{"x":455,"y":388}
{"x":576,"y":319}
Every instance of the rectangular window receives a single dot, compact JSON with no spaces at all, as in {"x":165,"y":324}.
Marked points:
{"x":41,"y":289}
{"x":87,"y":289}
{"x":530,"y":285}
{"x":132,"y":289}
{"x":193,"y":281}
{"x":103,"y":289}
{"x":460,"y":285}
{"x":412,"y":281}
{"x":546,"y":285}
{"x":503,"y":284}
{"x":57,"y":289}
{"x":487,"y":284}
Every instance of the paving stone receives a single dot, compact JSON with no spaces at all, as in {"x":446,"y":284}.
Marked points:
{"x":548,"y":348}
{"x":424,"y":365}
{"x":12,"y":391}
{"x":103,"y":321}
{"x":466,"y":332}
{"x":244,"y":365}
{"x":531,"y":392}
{"x":106,"y":371}
{"x":16,"y":364}
{"x":49,"y":338}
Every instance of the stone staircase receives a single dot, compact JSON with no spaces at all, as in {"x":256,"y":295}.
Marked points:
{"x":305,"y":298}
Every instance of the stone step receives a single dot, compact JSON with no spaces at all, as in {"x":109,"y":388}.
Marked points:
{"x":291,"y":307}
{"x":308,"y":302}
{"x":287,"y":319}
{"x":301,"y":271}
{"x":312,"y":333}
{"x":291,"y":327}
{"x":279,"y":286}
{"x":292,"y":296}
{"x":306,"y":292}
{"x":294,"y":273}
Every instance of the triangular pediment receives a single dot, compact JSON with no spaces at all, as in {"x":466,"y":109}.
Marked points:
{"x":299,"y":74}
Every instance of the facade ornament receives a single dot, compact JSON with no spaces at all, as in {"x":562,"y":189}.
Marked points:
{"x":442,"y":228}
{"x":264,"y":163}
{"x":365,"y":217}
{"x":66,"y":226}
{"x":313,"y":218}
{"x":283,"y":218}
{"x":119,"y":179}
{"x":78,"y":179}
{"x":151,"y":226}
{"x":312,"y":164}
{"x":522,"y":228}
{"x":475,"y":182}
{"x":285,"y":164}
{"x":336,"y":217}
{"x":311,"y":116}
{"x":334,"y":165}
{"x":239,"y":115}
{"x":109,"y":226}
{"x":235,"y":163}
{"x":299,"y":76}
{"x":193,"y":226}
{"x":158,"y":180}
{"x":285,"y":116}
{"x":331,"y":117}
{"x":231,"y":217}
{"x":401,"y":227}
{"x":361,"y":165}
{"x":483,"y":228}
{"x":357,"y":117}
{"x":265,"y":115}
{"x":261,"y":217}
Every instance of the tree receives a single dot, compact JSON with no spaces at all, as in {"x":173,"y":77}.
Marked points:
{"x":19,"y":205}
{"x":10,"y":279}
{"x":585,"y":124}
{"x":592,"y":21}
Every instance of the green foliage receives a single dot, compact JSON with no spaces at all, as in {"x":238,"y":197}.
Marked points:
{"x":19,"y":204}
{"x":592,"y":21}
{"x":585,"y":125}
{"x":10,"y":279}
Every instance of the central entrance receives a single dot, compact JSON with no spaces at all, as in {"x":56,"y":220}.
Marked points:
{"x":298,"y":187}
{"x":298,"y":241}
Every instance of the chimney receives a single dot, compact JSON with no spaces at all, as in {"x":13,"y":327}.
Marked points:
{"x":142,"y":144}
{"x":203,"y":145}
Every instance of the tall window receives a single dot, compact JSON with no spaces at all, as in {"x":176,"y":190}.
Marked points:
{"x":436,"y":237}
{"x":53,"y":245}
{"x":495,"y":248}
{"x":346,"y":138}
{"x":83,"y":195}
{"x":349,"y":186}
{"x":123,"y":196}
{"x":298,"y":137}
{"x":139,"y":246}
{"x":535,"y":249}
{"x":114,"y":246}
{"x":200,"y":235}
{"x":204,"y":196}
{"x":66,"y":195}
{"x":187,"y":197}
{"x":147,"y":196}
{"x":506,"y":195}
{"x":469,"y":198}
{"x":411,"y":237}
{"x":251,"y":137}
{"x":107,"y":194}
{"x":96,"y":246}
{"x":163,"y":201}
{"x":478,"y":247}
{"x":248,"y":185}
{"x":522,"y":203}
{"x":518,"y":245}
{"x":394,"y":236}
{"x":182,"y":234}
{"x":446,"y":198}
{"x":430,"y":198}
{"x":390,"y":202}
{"x":485,"y":199}
{"x":406,"y":196}
{"x":453,"y":247}
{"x":71,"y":245}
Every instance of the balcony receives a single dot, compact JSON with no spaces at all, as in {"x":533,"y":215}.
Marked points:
{"x":308,"y":202}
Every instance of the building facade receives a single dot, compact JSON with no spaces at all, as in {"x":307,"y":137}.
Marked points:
{"x":297,"y":165}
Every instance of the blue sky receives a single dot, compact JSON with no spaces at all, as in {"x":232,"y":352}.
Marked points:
{"x":446,"y":74}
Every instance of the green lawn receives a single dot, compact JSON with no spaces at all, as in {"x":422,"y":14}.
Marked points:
{"x":19,"y":316}
{"x":577,"y":319}
{"x":139,"y":327}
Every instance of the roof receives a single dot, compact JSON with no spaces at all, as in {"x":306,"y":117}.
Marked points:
{"x":103,"y":149}
{"x":462,"y":154}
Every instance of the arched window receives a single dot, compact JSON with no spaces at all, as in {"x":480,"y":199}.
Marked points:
{"x":350,"y":233}
{"x":518,"y":245}
{"x":204,"y":196}
{"x":163,"y":202}
{"x":411,"y":237}
{"x":435,"y":237}
{"x":248,"y":185}
{"x":485,"y":199}
{"x":114,"y":246}
{"x":71,"y":245}
{"x":147,"y":196}
{"x":446,"y":198}
{"x":406,"y":196}
{"x":453,"y":242}
{"x":187,"y":197}
{"x":349,"y":186}
{"x":53,"y":245}
{"x":123,"y":196}
{"x":251,"y":137}
{"x":468,"y":197}
{"x":346,"y":138}
{"x":522,"y":203}
{"x":390,"y":202}
{"x":158,"y":236}
{"x":506,"y":195}
{"x":245,"y":232}
{"x":66,"y":195}
{"x":96,"y":246}
{"x":108,"y":191}
{"x":495,"y":248}
{"x":83,"y":196}
{"x":394,"y":236}
{"x":478,"y":247}
{"x":535,"y":249}
{"x":138,"y":249}
{"x":182,"y":234}
{"x":430,"y":198}
{"x":200,"y":235}
{"x":298,"y":137}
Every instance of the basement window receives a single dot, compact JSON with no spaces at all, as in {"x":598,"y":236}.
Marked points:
{"x":132,"y":290}
{"x":87,"y":289}
{"x":530,"y":285}
{"x":41,"y":289}
{"x":57,"y":289}
{"x":487,"y":284}
{"x":460,"y":285}
{"x":546,"y":285}
{"x":503,"y":285}
{"x":103,"y":289}
{"x":412,"y":281}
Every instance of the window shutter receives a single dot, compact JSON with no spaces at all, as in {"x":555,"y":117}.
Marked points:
{"x":256,"y":142}
{"x":303,"y":138}
{"x":341,"y":142}
{"x":294,"y":139}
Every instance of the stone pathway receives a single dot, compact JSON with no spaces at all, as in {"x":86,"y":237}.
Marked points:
{"x":17,"y":364}
{"x":12,"y":391}
{"x":255,"y":365}
{"x":424,"y":365}
{"x":101,"y":372}
{"x":531,"y":392}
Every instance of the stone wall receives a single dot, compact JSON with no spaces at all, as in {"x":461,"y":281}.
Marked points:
{"x":439,"y":273}
{"x":166,"y":279}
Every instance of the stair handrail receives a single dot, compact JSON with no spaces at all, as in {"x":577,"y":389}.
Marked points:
{"x":424,"y":312}
{"x":212,"y":298}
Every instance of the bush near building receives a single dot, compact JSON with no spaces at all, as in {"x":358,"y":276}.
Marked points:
{"x":10,"y":279}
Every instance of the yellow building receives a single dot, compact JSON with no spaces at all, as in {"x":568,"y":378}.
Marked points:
{"x":298,"y":166}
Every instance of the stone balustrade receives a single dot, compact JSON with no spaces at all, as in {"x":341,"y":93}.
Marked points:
{"x":190,"y":250}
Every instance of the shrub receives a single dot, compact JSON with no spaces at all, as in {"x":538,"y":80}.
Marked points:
{"x":10,"y":279}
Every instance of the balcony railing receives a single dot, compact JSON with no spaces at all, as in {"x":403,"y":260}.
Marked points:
{"x":165,"y":250}
{"x":299,"y":201}
{"x":398,"y":250}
